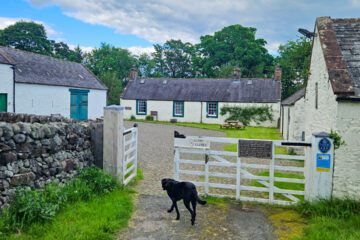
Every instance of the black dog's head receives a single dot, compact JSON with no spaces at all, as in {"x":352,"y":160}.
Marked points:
{"x":165,"y":182}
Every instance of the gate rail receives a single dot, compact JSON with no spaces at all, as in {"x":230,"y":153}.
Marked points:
{"x":218,"y":158}
{"x":129,"y":158}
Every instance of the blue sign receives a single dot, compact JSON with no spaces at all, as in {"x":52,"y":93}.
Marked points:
{"x":323,"y":162}
{"x":324,"y":145}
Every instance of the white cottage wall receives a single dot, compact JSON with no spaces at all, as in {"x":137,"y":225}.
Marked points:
{"x":192,"y":111}
{"x":347,"y":164}
{"x":46,"y":100}
{"x":7,"y":84}
{"x":322,"y":118}
{"x":297,"y":125}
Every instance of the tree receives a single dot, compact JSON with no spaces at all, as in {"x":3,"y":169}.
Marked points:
{"x":294,"y":59}
{"x":28,"y":36}
{"x":174,"y":59}
{"x":61,"y":50}
{"x":233,"y":46}
{"x":112,"y":66}
{"x":146,"y":65}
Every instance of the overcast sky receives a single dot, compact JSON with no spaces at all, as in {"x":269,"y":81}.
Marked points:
{"x":137,"y":24}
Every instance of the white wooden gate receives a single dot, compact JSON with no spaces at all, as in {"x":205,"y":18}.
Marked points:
{"x":216,"y":172}
{"x":129,"y":156}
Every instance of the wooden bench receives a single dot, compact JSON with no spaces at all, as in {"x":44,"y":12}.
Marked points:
{"x":232,"y":124}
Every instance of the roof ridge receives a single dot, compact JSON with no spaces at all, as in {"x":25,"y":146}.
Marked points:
{"x":232,"y":79}
{"x":38,"y":54}
{"x":7,"y":58}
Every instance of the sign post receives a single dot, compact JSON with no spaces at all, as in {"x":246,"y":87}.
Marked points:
{"x":319,"y":168}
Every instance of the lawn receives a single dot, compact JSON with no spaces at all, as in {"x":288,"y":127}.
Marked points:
{"x":248,"y":133}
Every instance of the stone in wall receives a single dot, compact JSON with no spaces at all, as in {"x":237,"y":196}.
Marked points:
{"x":34,"y":154}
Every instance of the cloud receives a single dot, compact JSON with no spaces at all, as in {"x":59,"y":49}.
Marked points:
{"x":161,"y":20}
{"x":51,"y":33}
{"x":137,"y":50}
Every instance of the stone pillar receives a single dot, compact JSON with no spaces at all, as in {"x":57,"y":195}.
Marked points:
{"x":113,"y":140}
{"x":319,"y":168}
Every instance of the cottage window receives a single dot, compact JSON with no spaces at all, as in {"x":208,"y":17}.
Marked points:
{"x":141,"y":107}
{"x":178,"y":109}
{"x":212,"y":109}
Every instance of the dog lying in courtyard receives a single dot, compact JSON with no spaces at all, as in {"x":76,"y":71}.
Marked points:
{"x":182,"y":190}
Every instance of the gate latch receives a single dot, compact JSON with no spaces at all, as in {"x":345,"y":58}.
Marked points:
{"x":206,"y":158}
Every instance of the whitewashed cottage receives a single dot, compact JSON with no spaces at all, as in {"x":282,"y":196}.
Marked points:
{"x":292,"y":116}
{"x":332,"y":97}
{"x":199,"y":100}
{"x":37,"y":84}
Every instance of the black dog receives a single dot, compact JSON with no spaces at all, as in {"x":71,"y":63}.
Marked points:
{"x":178,"y":135}
{"x":182,"y":190}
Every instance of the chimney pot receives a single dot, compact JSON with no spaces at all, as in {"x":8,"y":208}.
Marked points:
{"x":237,"y":73}
{"x":133,"y":75}
{"x":278,"y":73}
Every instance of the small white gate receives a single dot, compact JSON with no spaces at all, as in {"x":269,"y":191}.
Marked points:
{"x":129,"y":158}
{"x":203,"y":161}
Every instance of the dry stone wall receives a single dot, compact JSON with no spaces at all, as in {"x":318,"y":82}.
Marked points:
{"x":34,"y":154}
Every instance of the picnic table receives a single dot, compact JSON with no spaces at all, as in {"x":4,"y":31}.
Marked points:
{"x":232,"y":124}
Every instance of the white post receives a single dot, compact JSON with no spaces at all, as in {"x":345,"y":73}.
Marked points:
{"x":176,"y":164}
{"x":272,"y":173}
{"x":238,"y":173}
{"x":113,"y":141}
{"x":319,"y":168}
{"x":206,"y":174}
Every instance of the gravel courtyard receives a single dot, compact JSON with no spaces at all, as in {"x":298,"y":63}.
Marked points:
{"x":151,"y":220}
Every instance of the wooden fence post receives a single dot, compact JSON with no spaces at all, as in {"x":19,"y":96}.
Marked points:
{"x":113,"y":141}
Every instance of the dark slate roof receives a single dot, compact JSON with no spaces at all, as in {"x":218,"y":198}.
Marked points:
{"x":294,"y":98}
{"x":340,"y":41}
{"x":39,"y":69}
{"x":221,"y":90}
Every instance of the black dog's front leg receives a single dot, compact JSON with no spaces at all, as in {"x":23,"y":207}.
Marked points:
{"x":177,"y":211}
{"x":171,"y":208}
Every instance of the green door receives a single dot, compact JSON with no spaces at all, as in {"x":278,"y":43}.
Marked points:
{"x":79,"y":104}
{"x":3,"y":102}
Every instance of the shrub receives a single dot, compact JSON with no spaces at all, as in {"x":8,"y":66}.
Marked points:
{"x":149,"y":118}
{"x":77,"y":190}
{"x":334,"y":208}
{"x":32,"y":206}
{"x":248,"y":114}
{"x":132,"y":117}
{"x":97,"y":180}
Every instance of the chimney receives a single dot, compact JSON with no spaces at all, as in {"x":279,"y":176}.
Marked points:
{"x":237,"y":73}
{"x":278,"y":73}
{"x":133,"y":74}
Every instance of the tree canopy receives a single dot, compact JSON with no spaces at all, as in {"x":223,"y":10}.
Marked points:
{"x":31,"y":36}
{"x":294,"y":59}
{"x":112,"y":66}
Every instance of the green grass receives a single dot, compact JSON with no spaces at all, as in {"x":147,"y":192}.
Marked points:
{"x":331,"y":219}
{"x":98,"y":218}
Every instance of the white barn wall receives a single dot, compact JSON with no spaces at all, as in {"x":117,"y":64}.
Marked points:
{"x":192,"y":111}
{"x":285,"y":121}
{"x":7,"y":84}
{"x":323,"y":118}
{"x":294,"y":122}
{"x":347,"y":164}
{"x":46,"y":100}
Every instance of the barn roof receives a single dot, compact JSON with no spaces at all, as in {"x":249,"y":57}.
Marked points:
{"x":294,"y":97}
{"x":340,"y":41}
{"x":40,"y":69}
{"x":221,"y":90}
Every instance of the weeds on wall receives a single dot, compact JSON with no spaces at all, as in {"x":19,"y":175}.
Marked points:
{"x":338,"y":141}
{"x":248,"y":114}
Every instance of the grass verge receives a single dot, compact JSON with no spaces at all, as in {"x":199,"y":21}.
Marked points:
{"x":91,"y":206}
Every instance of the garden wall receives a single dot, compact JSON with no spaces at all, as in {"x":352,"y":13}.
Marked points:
{"x":36,"y":150}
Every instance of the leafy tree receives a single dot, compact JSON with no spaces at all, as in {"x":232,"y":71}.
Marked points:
{"x":28,"y":36}
{"x":234,"y":45}
{"x":248,"y":114}
{"x":294,"y":59}
{"x":146,"y":65}
{"x":174,"y":59}
{"x":61,"y":50}
{"x":111,"y":65}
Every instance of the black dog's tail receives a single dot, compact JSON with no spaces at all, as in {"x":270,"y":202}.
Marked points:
{"x":202,"y":202}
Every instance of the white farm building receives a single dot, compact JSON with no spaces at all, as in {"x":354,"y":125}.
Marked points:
{"x":332,"y":97}
{"x":199,"y":100}
{"x":292,"y":116}
{"x":37,"y":84}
